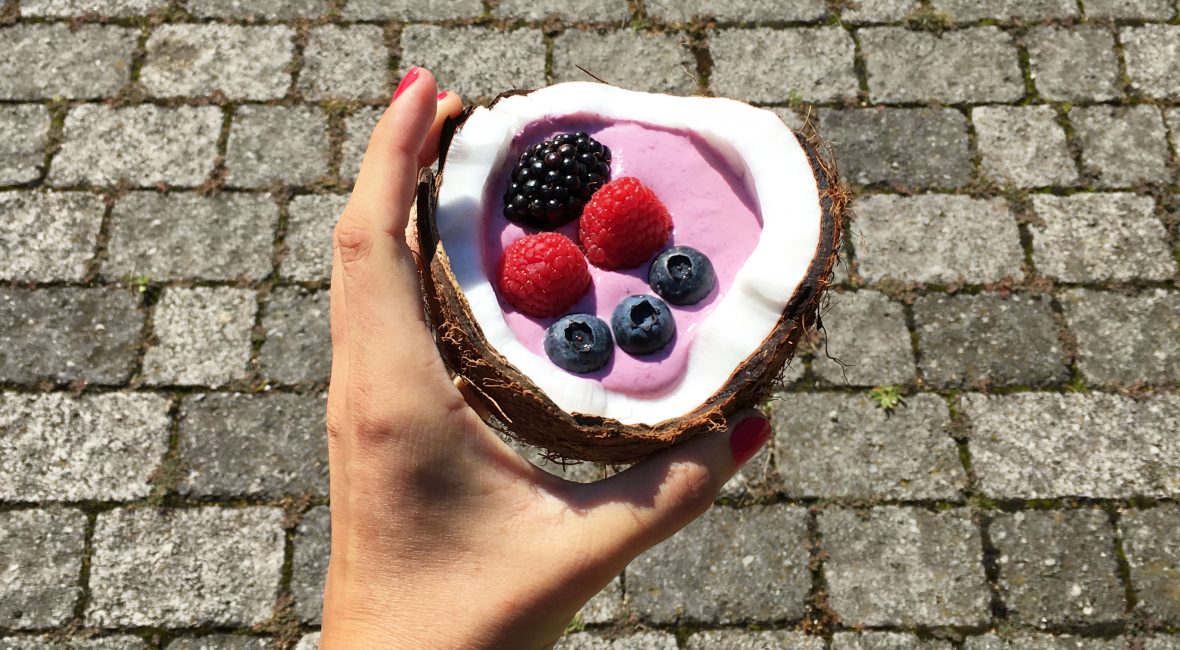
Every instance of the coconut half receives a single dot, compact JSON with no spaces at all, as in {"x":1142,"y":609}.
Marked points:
{"x":737,"y":356}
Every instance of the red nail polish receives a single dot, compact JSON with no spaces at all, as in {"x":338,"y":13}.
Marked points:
{"x":748,"y":437}
{"x":407,"y":80}
{"x":441,"y":95}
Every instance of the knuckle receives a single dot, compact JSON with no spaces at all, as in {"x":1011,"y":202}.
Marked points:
{"x":691,"y":485}
{"x":352,"y":238}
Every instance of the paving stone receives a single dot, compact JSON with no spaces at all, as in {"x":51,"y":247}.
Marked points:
{"x":253,"y":9}
{"x":42,"y":61}
{"x":68,"y":335}
{"x":1172,"y":116}
{"x":637,"y":641}
{"x":238,"y":444}
{"x":1150,"y":52}
{"x":768,"y":65}
{"x":636,"y":60}
{"x":988,"y":340}
{"x":121,"y":642}
{"x":185,"y":567}
{"x":477,"y":61}
{"x":595,"y":11}
{"x":144,"y":144}
{"x":1126,"y":339}
{"x":971,"y":65}
{"x":203,"y":336}
{"x":728,"y":566}
{"x":238,"y":61}
{"x":24,"y":132}
{"x":1100,"y":237}
{"x":742,"y":640}
{"x":606,"y":606}
{"x":221,"y":642}
{"x":277,"y":144}
{"x":737,"y":10}
{"x":48,"y":236}
{"x":790,"y":117}
{"x":357,"y":129}
{"x":833,"y":445}
{"x":878,"y":11}
{"x":936,"y":238}
{"x":1151,"y":540}
{"x":1074,"y":64}
{"x":345,"y":62}
{"x":94,"y":447}
{"x":65,"y":8}
{"x":899,"y":146}
{"x":869,"y":335}
{"x":298,"y":346}
{"x":1032,"y":641}
{"x":41,"y":552}
{"x":885,"y":641}
{"x":1057,"y":567}
{"x":1023,"y":146}
{"x":973,"y":10}
{"x":1161,"y":643}
{"x":905,"y":567}
{"x":309,"y":642}
{"x":1048,"y":445}
{"x":1123,"y":145}
{"x":310,"y":564}
{"x":184,"y":235}
{"x":1130,"y":9}
{"x":310,"y":220}
{"x":411,"y":10}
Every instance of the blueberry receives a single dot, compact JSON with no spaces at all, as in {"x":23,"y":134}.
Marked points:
{"x":579,"y":343}
{"x":682,"y":275}
{"x":642,"y":324}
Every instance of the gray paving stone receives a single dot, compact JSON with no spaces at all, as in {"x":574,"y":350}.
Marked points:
{"x":768,"y":65}
{"x":67,"y":335}
{"x":41,"y":552}
{"x":411,"y":10}
{"x":1161,"y":643}
{"x":1033,"y":641}
{"x":48,"y":236}
{"x":94,"y":447}
{"x":1130,"y":9}
{"x":636,"y":641}
{"x":185,"y":567}
{"x":1150,"y":52}
{"x":1126,"y":339}
{"x":119,"y":642}
{"x":221,"y":642}
{"x":606,"y":606}
{"x":904,"y":566}
{"x":345,"y":62}
{"x":742,"y":640}
{"x":878,"y":11}
{"x":298,"y":346}
{"x":24,"y":132}
{"x":1074,"y":64}
{"x":1057,"y":567}
{"x":636,"y":60}
{"x":253,"y":9}
{"x":51,"y":60}
{"x":757,"y":569}
{"x":973,"y":10}
{"x":310,"y":221}
{"x":970,"y":65}
{"x":988,"y":340}
{"x":310,"y":563}
{"x":476,"y":61}
{"x":144,"y":144}
{"x":595,"y":11}
{"x":239,"y":444}
{"x":1100,"y":237}
{"x":357,"y":129}
{"x":1023,"y":146}
{"x":1172,"y":117}
{"x":1123,"y":145}
{"x":737,"y":11}
{"x":1049,"y":445}
{"x":832,"y":445}
{"x":309,"y":642}
{"x":869,"y":335}
{"x":885,"y":641}
{"x":936,"y":238}
{"x":238,"y":61}
{"x":203,"y":336}
{"x":1151,"y":540}
{"x":65,"y":8}
{"x":277,"y":144}
{"x":899,"y":146}
{"x":183,"y":235}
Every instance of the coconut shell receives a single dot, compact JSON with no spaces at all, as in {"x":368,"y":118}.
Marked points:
{"x":518,"y":408}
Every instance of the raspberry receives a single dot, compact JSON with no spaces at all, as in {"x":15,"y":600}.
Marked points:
{"x":623,"y":225}
{"x":543,"y":275}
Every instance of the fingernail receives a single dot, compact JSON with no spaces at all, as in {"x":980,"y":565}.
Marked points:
{"x":748,"y":437}
{"x":407,"y":80}
{"x":441,"y":95}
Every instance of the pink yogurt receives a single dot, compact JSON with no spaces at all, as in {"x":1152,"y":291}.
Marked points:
{"x":712,"y":211}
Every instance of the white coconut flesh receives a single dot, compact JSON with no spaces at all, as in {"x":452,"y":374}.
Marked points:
{"x":753,"y":142}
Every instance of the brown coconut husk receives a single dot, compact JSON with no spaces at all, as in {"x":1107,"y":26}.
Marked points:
{"x":518,"y":408}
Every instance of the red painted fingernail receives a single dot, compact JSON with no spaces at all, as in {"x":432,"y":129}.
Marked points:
{"x":748,"y":437}
{"x":441,"y":95}
{"x":407,"y":80}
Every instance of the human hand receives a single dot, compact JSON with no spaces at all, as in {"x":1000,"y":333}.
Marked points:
{"x":442,"y":536}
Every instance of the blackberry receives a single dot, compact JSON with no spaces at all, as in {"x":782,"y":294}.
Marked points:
{"x":554,"y":179}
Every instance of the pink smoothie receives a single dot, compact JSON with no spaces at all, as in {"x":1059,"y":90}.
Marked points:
{"x":712,"y":211}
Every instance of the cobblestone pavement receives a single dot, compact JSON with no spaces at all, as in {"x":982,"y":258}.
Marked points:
{"x":170,"y":171}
